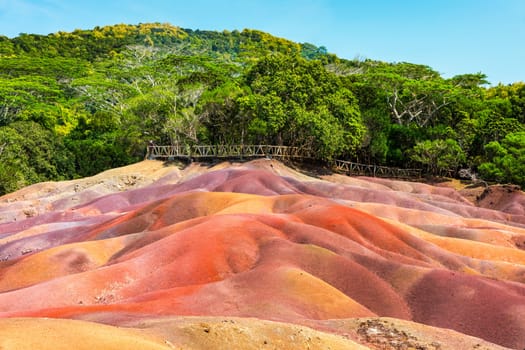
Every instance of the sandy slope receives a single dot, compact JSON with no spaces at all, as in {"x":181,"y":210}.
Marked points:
{"x":43,"y":333}
{"x":143,"y":245}
{"x":180,"y":333}
{"x":202,"y":333}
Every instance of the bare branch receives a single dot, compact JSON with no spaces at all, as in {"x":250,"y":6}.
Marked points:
{"x":420,"y":109}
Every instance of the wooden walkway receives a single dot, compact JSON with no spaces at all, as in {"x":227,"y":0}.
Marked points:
{"x":226,"y":151}
{"x":203,"y":152}
{"x":352,"y":168}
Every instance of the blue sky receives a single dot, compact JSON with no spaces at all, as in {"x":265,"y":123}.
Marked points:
{"x":451,"y":36}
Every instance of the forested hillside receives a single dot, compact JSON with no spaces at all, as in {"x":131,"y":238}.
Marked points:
{"x":74,"y":104}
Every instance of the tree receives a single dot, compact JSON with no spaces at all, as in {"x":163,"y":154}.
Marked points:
{"x":514,"y":95}
{"x":6,"y":46}
{"x":14,"y":170}
{"x":28,"y":98}
{"x":415,"y":94}
{"x":493,"y":124}
{"x":469,"y":81}
{"x":506,"y":160}
{"x":312,"y":52}
{"x":376,"y":116}
{"x":439,"y":156}
{"x":30,"y":153}
{"x":220,"y":111}
{"x":105,"y":92}
{"x":416,"y":101}
{"x":297,"y":102}
{"x":255,"y":44}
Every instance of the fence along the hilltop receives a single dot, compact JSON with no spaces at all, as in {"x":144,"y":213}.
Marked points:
{"x":271,"y":151}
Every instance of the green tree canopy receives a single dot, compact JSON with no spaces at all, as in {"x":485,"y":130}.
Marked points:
{"x":30,"y":153}
{"x":438,"y":155}
{"x":506,"y":160}
{"x":104,"y":92}
{"x":297,"y":102}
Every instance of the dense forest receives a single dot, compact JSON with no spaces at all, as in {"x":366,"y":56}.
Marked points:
{"x":74,"y":104}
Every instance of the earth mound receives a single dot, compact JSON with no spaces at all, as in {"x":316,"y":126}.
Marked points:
{"x":259,"y":252}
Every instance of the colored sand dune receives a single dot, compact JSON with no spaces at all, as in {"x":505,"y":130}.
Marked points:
{"x":154,"y":256}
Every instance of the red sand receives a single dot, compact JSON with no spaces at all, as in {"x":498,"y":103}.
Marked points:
{"x":249,"y":242}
